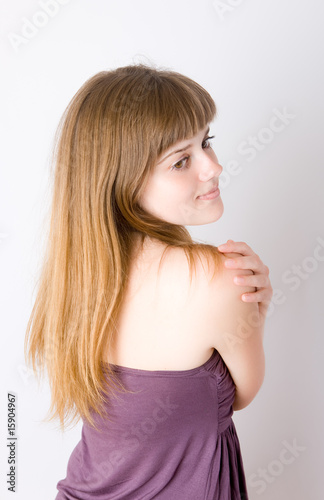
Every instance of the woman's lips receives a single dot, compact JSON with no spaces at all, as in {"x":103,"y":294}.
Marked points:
{"x":210,"y":195}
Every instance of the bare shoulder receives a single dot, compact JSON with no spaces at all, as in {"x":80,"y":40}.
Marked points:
{"x":203,"y":263}
{"x":224,"y":301}
{"x":217,"y":298}
{"x":209,"y":265}
{"x":217,"y":317}
{"x":210,"y":285}
{"x":206,"y":262}
{"x":187,"y":273}
{"x":237,"y":332}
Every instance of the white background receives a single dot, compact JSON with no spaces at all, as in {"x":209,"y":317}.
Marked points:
{"x":254,"y":57}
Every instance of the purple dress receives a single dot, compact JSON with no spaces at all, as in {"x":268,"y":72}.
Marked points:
{"x":171,"y":438}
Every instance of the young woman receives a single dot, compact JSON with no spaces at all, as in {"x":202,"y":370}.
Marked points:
{"x":143,"y":332}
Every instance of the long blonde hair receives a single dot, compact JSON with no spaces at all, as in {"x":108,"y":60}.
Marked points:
{"x":107,"y":143}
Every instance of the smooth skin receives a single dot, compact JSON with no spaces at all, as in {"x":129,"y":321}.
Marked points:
{"x":217,"y":309}
{"x":247,"y":259}
{"x":188,"y":169}
{"x":247,"y":364}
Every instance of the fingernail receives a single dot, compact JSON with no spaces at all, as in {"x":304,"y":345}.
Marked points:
{"x":239,"y":280}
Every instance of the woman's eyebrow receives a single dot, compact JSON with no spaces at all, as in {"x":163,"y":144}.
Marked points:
{"x":180,"y":150}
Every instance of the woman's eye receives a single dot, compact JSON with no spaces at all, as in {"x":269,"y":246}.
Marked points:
{"x":206,"y":143}
{"x":180,"y":165}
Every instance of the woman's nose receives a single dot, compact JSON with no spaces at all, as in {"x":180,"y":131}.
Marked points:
{"x":209,"y":168}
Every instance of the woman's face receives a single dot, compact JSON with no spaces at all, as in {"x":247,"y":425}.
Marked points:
{"x":185,"y":172}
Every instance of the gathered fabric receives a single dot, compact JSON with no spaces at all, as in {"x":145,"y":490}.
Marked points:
{"x":171,"y":438}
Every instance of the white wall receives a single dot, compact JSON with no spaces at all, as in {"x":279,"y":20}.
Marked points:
{"x":257,"y":59}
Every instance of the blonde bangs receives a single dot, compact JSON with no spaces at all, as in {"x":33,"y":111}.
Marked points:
{"x":184,"y":109}
{"x":155,"y":107}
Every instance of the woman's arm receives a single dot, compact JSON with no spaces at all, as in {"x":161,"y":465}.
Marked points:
{"x":238,"y":333}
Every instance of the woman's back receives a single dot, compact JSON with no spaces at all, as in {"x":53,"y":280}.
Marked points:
{"x":163,"y":323}
{"x":169,"y":323}
{"x":171,"y":436}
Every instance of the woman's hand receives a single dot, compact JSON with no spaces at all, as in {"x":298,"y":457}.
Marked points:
{"x":259,"y":279}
